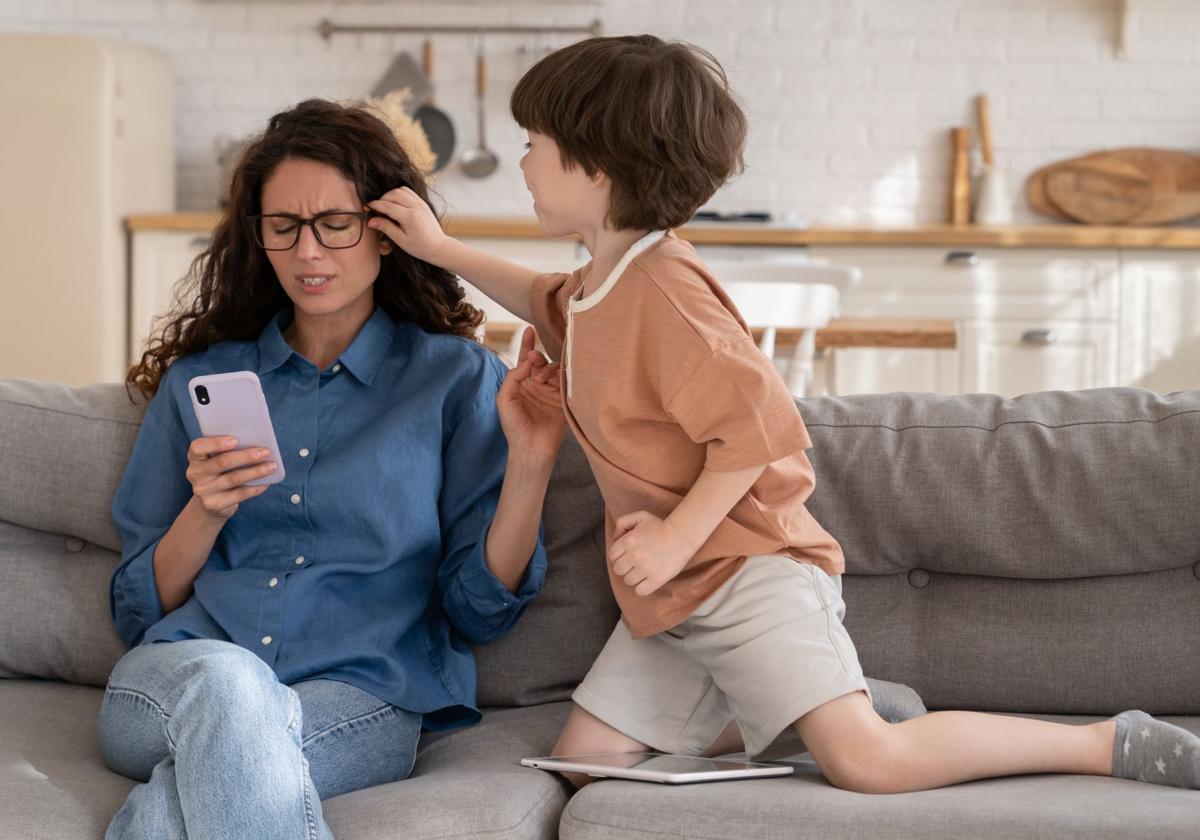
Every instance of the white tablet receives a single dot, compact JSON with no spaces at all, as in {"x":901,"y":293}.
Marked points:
{"x":658,"y":767}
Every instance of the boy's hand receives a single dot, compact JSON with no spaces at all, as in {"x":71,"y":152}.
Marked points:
{"x":648,"y":551}
{"x":530,"y":406}
{"x":409,"y":222}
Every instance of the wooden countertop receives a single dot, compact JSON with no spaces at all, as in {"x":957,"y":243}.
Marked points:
{"x":917,"y":334}
{"x":1012,"y":236}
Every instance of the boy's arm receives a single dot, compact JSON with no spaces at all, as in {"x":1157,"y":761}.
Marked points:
{"x":409,"y":222}
{"x":648,"y":551}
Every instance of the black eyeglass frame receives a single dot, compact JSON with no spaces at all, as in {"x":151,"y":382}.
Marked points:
{"x":255,"y":222}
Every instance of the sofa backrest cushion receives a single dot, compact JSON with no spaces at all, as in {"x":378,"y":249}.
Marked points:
{"x":62,"y":452}
{"x":551,"y":647}
{"x":1036,"y":554}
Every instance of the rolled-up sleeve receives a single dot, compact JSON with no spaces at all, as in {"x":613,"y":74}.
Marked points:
{"x":478,"y":604}
{"x":152,"y":492}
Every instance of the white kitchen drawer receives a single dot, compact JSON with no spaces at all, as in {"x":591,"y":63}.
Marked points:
{"x":764,"y":253}
{"x":160,"y":259}
{"x":942,"y":282}
{"x":882,"y":370}
{"x":1160,"y":320}
{"x":538,"y":254}
{"x":1011,"y":358}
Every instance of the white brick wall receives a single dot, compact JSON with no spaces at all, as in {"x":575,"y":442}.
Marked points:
{"x":850,"y":100}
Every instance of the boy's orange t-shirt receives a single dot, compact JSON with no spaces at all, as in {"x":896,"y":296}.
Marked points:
{"x":661,"y":379}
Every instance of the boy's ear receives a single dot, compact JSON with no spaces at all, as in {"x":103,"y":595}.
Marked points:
{"x":599,"y":178}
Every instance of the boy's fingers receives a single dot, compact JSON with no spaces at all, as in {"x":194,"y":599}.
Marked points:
{"x":383,"y":223}
{"x":400,"y":195}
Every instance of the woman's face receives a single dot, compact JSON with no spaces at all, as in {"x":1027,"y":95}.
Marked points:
{"x":325,"y":283}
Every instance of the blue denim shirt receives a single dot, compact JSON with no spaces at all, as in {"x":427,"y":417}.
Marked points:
{"x":366,"y":563}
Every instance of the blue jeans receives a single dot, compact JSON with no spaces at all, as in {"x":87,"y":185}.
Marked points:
{"x":226,"y":750}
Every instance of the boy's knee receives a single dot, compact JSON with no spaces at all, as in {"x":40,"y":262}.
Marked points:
{"x":876,"y":764}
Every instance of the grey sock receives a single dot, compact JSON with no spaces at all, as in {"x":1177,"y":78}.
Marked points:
{"x":895,"y":702}
{"x":1149,"y":750}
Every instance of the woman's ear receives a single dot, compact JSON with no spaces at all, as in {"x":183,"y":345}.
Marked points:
{"x":385,"y":244}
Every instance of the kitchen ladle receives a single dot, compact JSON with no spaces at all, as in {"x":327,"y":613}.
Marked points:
{"x":480,"y":161}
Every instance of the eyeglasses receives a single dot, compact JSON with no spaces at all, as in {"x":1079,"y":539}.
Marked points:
{"x":334,"y":229}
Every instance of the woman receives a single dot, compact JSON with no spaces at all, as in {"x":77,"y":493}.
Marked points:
{"x":290,"y":641}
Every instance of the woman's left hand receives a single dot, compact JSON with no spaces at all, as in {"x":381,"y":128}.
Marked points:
{"x":530,"y":405}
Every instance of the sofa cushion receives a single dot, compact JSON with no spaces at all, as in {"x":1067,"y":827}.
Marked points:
{"x":62,"y":453}
{"x":1040,"y":553}
{"x":551,"y":647}
{"x":467,"y":783}
{"x":1041,"y":807}
{"x":54,"y":620}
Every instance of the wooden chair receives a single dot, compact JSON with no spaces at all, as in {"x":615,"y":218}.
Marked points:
{"x":792,"y":294}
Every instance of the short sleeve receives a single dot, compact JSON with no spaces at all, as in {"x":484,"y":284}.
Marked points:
{"x":737,"y":404}
{"x":549,"y":294}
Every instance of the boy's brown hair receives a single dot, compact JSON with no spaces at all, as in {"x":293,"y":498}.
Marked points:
{"x":658,"y":118}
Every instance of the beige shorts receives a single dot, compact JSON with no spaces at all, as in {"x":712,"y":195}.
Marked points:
{"x":764,"y":650}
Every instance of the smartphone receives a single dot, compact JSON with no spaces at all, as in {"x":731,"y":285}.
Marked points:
{"x":233,"y":404}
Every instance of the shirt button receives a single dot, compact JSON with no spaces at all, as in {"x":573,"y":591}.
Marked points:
{"x":273,"y":582}
{"x":303,"y":453}
{"x":266,"y":640}
{"x":300,"y":560}
{"x":295,"y":498}
{"x":336,"y":368}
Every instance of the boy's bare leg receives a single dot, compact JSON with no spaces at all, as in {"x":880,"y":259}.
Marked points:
{"x":857,"y":750}
{"x":585,"y":734}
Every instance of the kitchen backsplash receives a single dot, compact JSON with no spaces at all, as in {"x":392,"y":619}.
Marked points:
{"x":850,"y":101}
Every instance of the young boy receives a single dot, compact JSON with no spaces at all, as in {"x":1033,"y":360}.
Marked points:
{"x":729,"y":589}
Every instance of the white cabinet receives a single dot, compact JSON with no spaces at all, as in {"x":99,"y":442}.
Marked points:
{"x":161,"y":258}
{"x":1159,"y":347}
{"x":1029,"y":319}
{"x":1011,"y":357}
{"x":159,"y":261}
{"x":870,"y":370}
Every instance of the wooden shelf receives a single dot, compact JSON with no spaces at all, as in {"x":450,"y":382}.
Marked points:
{"x":840,"y":333}
{"x":1008,"y":236}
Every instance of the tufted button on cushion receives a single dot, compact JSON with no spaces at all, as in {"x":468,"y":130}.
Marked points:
{"x":918,"y":578}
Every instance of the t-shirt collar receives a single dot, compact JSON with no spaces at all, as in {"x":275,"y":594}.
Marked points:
{"x":578,"y":303}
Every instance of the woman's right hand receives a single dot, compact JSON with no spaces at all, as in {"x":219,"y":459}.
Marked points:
{"x":409,"y":222}
{"x":219,"y":475}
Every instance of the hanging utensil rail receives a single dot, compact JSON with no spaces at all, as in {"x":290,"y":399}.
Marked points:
{"x":327,"y":29}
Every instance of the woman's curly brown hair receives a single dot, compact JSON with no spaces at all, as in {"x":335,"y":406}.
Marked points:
{"x":231,"y":290}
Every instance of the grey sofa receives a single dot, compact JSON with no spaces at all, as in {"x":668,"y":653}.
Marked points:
{"x":1039,"y":555}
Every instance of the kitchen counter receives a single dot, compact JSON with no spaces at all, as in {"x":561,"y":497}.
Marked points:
{"x":1012,"y":236}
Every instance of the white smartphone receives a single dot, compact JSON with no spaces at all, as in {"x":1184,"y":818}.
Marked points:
{"x":233,"y":404}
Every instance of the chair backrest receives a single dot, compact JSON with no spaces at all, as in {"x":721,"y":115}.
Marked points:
{"x":789,"y":272}
{"x":773,"y":305}
{"x":791,"y":293}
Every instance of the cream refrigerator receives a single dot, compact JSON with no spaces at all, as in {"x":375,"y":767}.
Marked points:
{"x":88,"y":141}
